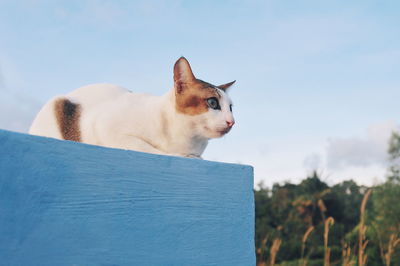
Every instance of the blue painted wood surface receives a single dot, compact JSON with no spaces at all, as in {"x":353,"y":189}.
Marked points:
{"x":65,"y":203}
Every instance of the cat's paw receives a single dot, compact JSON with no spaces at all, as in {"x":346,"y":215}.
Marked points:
{"x":194,"y":156}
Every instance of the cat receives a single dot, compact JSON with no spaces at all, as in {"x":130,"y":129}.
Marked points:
{"x":179,"y":123}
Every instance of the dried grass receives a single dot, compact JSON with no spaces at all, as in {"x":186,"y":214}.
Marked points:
{"x":349,"y":256}
{"x":303,"y":244}
{"x":393,"y":242}
{"x":260,"y":252}
{"x":274,"y":250}
{"x":348,"y":259}
{"x":362,"y":242}
{"x":328,"y":222}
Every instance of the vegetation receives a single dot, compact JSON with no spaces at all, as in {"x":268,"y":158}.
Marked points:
{"x":315,"y":224}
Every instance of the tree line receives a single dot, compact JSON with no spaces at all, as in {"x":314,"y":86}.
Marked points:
{"x":312,"y":223}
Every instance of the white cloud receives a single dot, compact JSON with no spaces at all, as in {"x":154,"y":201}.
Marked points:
{"x":369,"y":150}
{"x":368,"y":175}
{"x":362,"y":158}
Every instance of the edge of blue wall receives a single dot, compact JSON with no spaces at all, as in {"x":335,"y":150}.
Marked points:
{"x":68,"y":203}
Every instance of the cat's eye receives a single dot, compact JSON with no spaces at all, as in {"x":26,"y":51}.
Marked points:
{"x":230,"y":107}
{"x":213,"y":103}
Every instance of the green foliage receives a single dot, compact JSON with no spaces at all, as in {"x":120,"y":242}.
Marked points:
{"x":286,"y":211}
{"x":394,"y":146}
{"x":394,"y":156}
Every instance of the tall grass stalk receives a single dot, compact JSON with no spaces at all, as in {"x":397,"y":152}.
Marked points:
{"x":348,"y":259}
{"x":362,"y":242}
{"x":380,"y":242}
{"x":328,"y":222}
{"x":261,"y":251}
{"x":303,"y":244}
{"x":393,"y":242}
{"x":274,"y":250}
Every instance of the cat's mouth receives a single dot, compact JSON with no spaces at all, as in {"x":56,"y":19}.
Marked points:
{"x":224,"y":131}
{"x":214,"y":133}
{"x":217,"y":133}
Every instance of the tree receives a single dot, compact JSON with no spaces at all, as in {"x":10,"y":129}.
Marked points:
{"x":385,"y":217}
{"x":394,"y":157}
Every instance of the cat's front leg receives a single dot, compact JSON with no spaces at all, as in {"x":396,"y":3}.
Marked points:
{"x":194,"y":156}
{"x":131,"y":142}
{"x":138,"y":144}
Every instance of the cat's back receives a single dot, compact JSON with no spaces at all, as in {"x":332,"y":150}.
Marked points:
{"x":95,"y":94}
{"x":103,"y":93}
{"x":87,"y":103}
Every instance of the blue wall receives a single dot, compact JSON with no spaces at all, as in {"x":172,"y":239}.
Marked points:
{"x":66,"y":203}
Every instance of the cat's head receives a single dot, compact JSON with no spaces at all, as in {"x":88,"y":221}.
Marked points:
{"x":207,"y":105}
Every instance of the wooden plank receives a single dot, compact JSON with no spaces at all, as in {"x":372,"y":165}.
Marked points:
{"x":66,"y":203}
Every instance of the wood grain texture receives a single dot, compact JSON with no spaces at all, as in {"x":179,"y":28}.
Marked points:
{"x":66,"y":203}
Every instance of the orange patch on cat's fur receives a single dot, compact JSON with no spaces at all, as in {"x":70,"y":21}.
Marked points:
{"x":68,"y":115}
{"x":191,"y":98}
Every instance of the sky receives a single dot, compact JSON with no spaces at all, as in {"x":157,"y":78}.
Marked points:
{"x":318,"y":82}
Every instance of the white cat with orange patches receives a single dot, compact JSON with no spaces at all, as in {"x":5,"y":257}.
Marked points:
{"x":178,"y":123}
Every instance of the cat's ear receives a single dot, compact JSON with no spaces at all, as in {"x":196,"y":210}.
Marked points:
{"x":226,"y":86}
{"x":182,"y":74}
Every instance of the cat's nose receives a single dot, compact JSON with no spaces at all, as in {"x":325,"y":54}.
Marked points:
{"x":230,"y":123}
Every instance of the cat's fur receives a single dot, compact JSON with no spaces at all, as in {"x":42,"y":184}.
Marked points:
{"x":178,"y":123}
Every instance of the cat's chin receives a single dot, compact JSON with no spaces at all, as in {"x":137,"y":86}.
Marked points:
{"x":221,"y":134}
{"x":213,"y":134}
